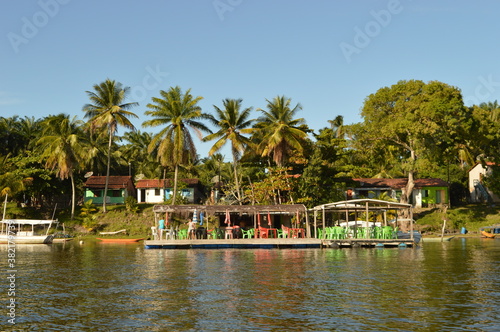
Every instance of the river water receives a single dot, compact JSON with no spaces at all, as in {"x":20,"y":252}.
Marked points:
{"x":452,"y":286}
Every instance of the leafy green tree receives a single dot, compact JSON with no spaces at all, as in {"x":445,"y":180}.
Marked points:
{"x":109,"y":110}
{"x":421,"y":119}
{"x":178,"y":112}
{"x":323,"y":178}
{"x":232,"y":123}
{"x":279,"y":132}
{"x":63,"y":147}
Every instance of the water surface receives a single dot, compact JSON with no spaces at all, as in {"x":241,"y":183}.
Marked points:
{"x":452,"y":286}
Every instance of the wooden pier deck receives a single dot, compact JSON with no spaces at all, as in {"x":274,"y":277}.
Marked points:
{"x":279,"y":243}
{"x":353,"y":243}
{"x":234,"y":243}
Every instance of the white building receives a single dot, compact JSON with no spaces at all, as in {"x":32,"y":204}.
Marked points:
{"x":156,"y":191}
{"x":478,"y":192}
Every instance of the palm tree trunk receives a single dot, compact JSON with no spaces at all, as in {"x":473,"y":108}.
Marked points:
{"x":236,"y":180}
{"x":107,"y":173}
{"x":405,"y":197}
{"x":174,"y":195}
{"x":73,"y":196}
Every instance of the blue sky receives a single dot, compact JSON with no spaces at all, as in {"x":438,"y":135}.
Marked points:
{"x":326,"y":55}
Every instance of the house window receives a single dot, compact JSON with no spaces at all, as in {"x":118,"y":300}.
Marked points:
{"x":439,"y":196}
{"x":116,"y":193}
{"x":187,"y":193}
{"x":158,"y":192}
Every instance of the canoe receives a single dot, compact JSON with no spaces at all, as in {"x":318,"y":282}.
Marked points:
{"x":437,"y":239}
{"x":123,"y":240}
{"x":487,"y":235}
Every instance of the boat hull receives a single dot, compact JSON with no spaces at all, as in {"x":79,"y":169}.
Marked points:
{"x":487,"y":235}
{"x":35,"y":239}
{"x":437,"y":239}
{"x":119,"y":240}
{"x":408,"y":236}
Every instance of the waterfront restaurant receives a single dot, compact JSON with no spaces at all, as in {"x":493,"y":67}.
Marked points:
{"x":360,"y":211}
{"x":245,"y":216}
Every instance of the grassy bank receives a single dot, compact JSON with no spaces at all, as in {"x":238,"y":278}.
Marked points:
{"x":472,"y":217}
{"x":137,"y":223}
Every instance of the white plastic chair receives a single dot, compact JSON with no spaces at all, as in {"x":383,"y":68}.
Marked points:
{"x":154,"y":232}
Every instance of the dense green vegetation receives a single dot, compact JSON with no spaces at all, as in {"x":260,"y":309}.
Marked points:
{"x":412,"y":129}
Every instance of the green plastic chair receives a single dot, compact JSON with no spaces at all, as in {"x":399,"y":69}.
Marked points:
{"x":387,"y":232}
{"x":248,"y":234}
{"x":319,"y":233}
{"x":182,"y":234}
{"x":329,"y":233}
{"x":341,"y":233}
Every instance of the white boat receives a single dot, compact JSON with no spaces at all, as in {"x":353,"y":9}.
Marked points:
{"x":14,"y":232}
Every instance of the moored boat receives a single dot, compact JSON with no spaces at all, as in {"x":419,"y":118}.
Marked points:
{"x":13,"y":231}
{"x":437,"y":238}
{"x":487,"y":235}
{"x":416,"y":236}
{"x":119,"y":240}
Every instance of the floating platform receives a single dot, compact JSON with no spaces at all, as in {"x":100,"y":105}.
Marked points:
{"x":271,"y":243}
{"x":234,"y":243}
{"x":381,"y":243}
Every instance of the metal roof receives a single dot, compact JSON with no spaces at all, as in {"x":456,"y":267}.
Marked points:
{"x":358,"y":204}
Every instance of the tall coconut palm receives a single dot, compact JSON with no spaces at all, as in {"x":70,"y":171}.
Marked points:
{"x":62,"y":146}
{"x":337,"y":126}
{"x":494,"y":109}
{"x":137,"y":155}
{"x":232,"y":123}
{"x":108,"y":110}
{"x":280,"y":133}
{"x":178,"y":112}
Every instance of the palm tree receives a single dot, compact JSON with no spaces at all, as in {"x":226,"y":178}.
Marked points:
{"x":107,"y":109}
{"x":280,"y":133}
{"x":232,"y":123}
{"x":494,"y":109}
{"x":62,"y":145}
{"x":137,"y":155}
{"x":337,"y":126}
{"x":178,"y":112}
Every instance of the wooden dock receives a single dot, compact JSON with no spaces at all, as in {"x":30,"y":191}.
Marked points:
{"x":381,"y":243}
{"x":279,"y":243}
{"x":234,"y":243}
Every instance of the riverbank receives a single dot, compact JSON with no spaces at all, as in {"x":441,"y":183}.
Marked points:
{"x":138,"y":222}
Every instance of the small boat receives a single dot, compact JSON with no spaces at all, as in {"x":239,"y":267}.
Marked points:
{"x":13,"y":231}
{"x":416,"y":236}
{"x":119,"y":240}
{"x":113,"y":233}
{"x":487,"y":235}
{"x":437,"y":238}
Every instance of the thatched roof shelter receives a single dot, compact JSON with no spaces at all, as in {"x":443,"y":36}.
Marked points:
{"x":252,"y":210}
{"x":361,"y":205}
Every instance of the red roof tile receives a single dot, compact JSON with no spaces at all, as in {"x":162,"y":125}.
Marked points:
{"x":114,"y":182}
